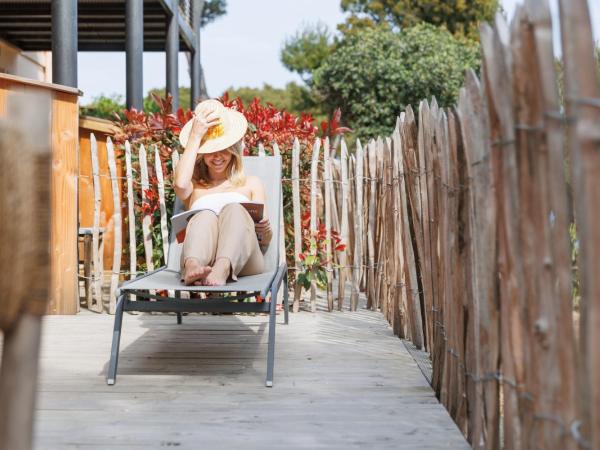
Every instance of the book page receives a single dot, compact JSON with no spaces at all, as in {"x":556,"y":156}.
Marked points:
{"x":179,"y":221}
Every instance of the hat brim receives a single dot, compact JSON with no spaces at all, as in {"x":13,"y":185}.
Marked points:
{"x":234,"y":128}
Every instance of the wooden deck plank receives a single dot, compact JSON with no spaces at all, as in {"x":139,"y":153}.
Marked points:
{"x":342,"y":380}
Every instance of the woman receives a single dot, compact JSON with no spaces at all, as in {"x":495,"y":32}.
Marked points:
{"x":222,"y":240}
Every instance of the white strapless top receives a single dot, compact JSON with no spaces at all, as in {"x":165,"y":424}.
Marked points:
{"x":216,"y":202}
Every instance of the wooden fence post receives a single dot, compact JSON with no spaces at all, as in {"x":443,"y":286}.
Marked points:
{"x":97,"y":247}
{"x":581,"y":95}
{"x":413,"y":253}
{"x":297,"y":221}
{"x":130,"y":214}
{"x":344,"y":231}
{"x":328,"y":194}
{"x":358,"y":227}
{"x":371,"y":226}
{"x":146,"y":221}
{"x":116,"y":268}
{"x":164,"y":230}
{"x":483,"y":332}
{"x":314,"y":190}
{"x":409,"y":274}
{"x":424,"y":142}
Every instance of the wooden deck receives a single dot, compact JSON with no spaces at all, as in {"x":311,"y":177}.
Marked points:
{"x":342,"y":380}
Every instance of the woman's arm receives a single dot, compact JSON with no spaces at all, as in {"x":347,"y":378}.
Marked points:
{"x":185,"y":168}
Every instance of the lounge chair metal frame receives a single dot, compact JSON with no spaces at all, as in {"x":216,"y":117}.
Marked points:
{"x":230,"y":298}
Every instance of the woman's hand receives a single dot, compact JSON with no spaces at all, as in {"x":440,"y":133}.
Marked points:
{"x":264,"y":233}
{"x":202,"y":122}
{"x":185,"y":169}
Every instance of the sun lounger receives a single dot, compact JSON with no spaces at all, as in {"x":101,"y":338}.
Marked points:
{"x":220,"y":299}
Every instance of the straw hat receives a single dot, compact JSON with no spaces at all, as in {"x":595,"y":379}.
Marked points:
{"x":232,"y":128}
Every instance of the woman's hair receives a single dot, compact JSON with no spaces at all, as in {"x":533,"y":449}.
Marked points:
{"x":235,"y":170}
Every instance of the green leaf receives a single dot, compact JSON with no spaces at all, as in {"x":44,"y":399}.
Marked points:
{"x":322,"y":279}
{"x":303,"y":280}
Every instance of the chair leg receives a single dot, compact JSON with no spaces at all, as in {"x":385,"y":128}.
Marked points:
{"x":179,"y":318}
{"x":111,"y":376}
{"x":286,"y":303}
{"x":271,"y":347}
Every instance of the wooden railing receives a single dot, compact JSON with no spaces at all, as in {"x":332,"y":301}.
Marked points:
{"x":60,"y":104}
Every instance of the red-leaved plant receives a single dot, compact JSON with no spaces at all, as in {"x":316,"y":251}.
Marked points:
{"x":314,"y":258}
{"x":266,"y":125}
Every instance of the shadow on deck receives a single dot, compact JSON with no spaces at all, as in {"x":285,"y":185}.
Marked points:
{"x":342,"y":380}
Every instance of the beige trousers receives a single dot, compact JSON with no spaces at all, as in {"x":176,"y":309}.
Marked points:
{"x":230,"y":235}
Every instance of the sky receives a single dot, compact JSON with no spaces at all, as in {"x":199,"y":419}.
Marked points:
{"x":241,"y":48}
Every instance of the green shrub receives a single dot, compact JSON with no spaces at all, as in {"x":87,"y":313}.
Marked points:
{"x":374,"y":74}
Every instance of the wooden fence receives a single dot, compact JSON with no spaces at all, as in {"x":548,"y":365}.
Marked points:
{"x":101,"y":129}
{"x":475,"y":232}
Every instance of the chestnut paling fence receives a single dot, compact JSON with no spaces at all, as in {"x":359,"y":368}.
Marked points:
{"x":457,"y":227}
{"x":466,"y":216}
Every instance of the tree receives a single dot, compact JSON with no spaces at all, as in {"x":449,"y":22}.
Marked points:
{"x":212,"y":10}
{"x":374,"y":73}
{"x":460,"y":17}
{"x":151,"y":106}
{"x":294,"y":98}
{"x":103,"y":106}
{"x":106,"y":106}
{"x":305,"y":51}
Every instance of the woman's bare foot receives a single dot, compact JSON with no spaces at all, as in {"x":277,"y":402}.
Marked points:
{"x":219,"y":274}
{"x":195,"y":272}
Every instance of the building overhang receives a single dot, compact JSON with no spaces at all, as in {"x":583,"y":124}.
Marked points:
{"x":27,"y":24}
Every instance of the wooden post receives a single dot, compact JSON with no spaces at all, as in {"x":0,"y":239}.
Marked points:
{"x":350,"y":247}
{"x":424,"y":142}
{"x":581,"y":105}
{"x":447,"y":266}
{"x":358,"y":228}
{"x":379,"y":227}
{"x":314,"y":188}
{"x":407,"y":261}
{"x":335,"y":200}
{"x":344,"y":270}
{"x":146,"y":221}
{"x":97,"y":257}
{"x":116,"y":268}
{"x":398,"y":313}
{"x":371,"y":225}
{"x":297,"y":220}
{"x":130,"y":214}
{"x":328,"y":194}
{"x":412,"y":214}
{"x":483,"y":332}
{"x":365,"y":218}
{"x":164,"y":230}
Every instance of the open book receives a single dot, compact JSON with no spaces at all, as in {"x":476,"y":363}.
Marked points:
{"x":179,"y":221}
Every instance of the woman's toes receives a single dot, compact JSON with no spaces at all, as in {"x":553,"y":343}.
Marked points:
{"x":215,"y":280}
{"x":195,"y":272}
